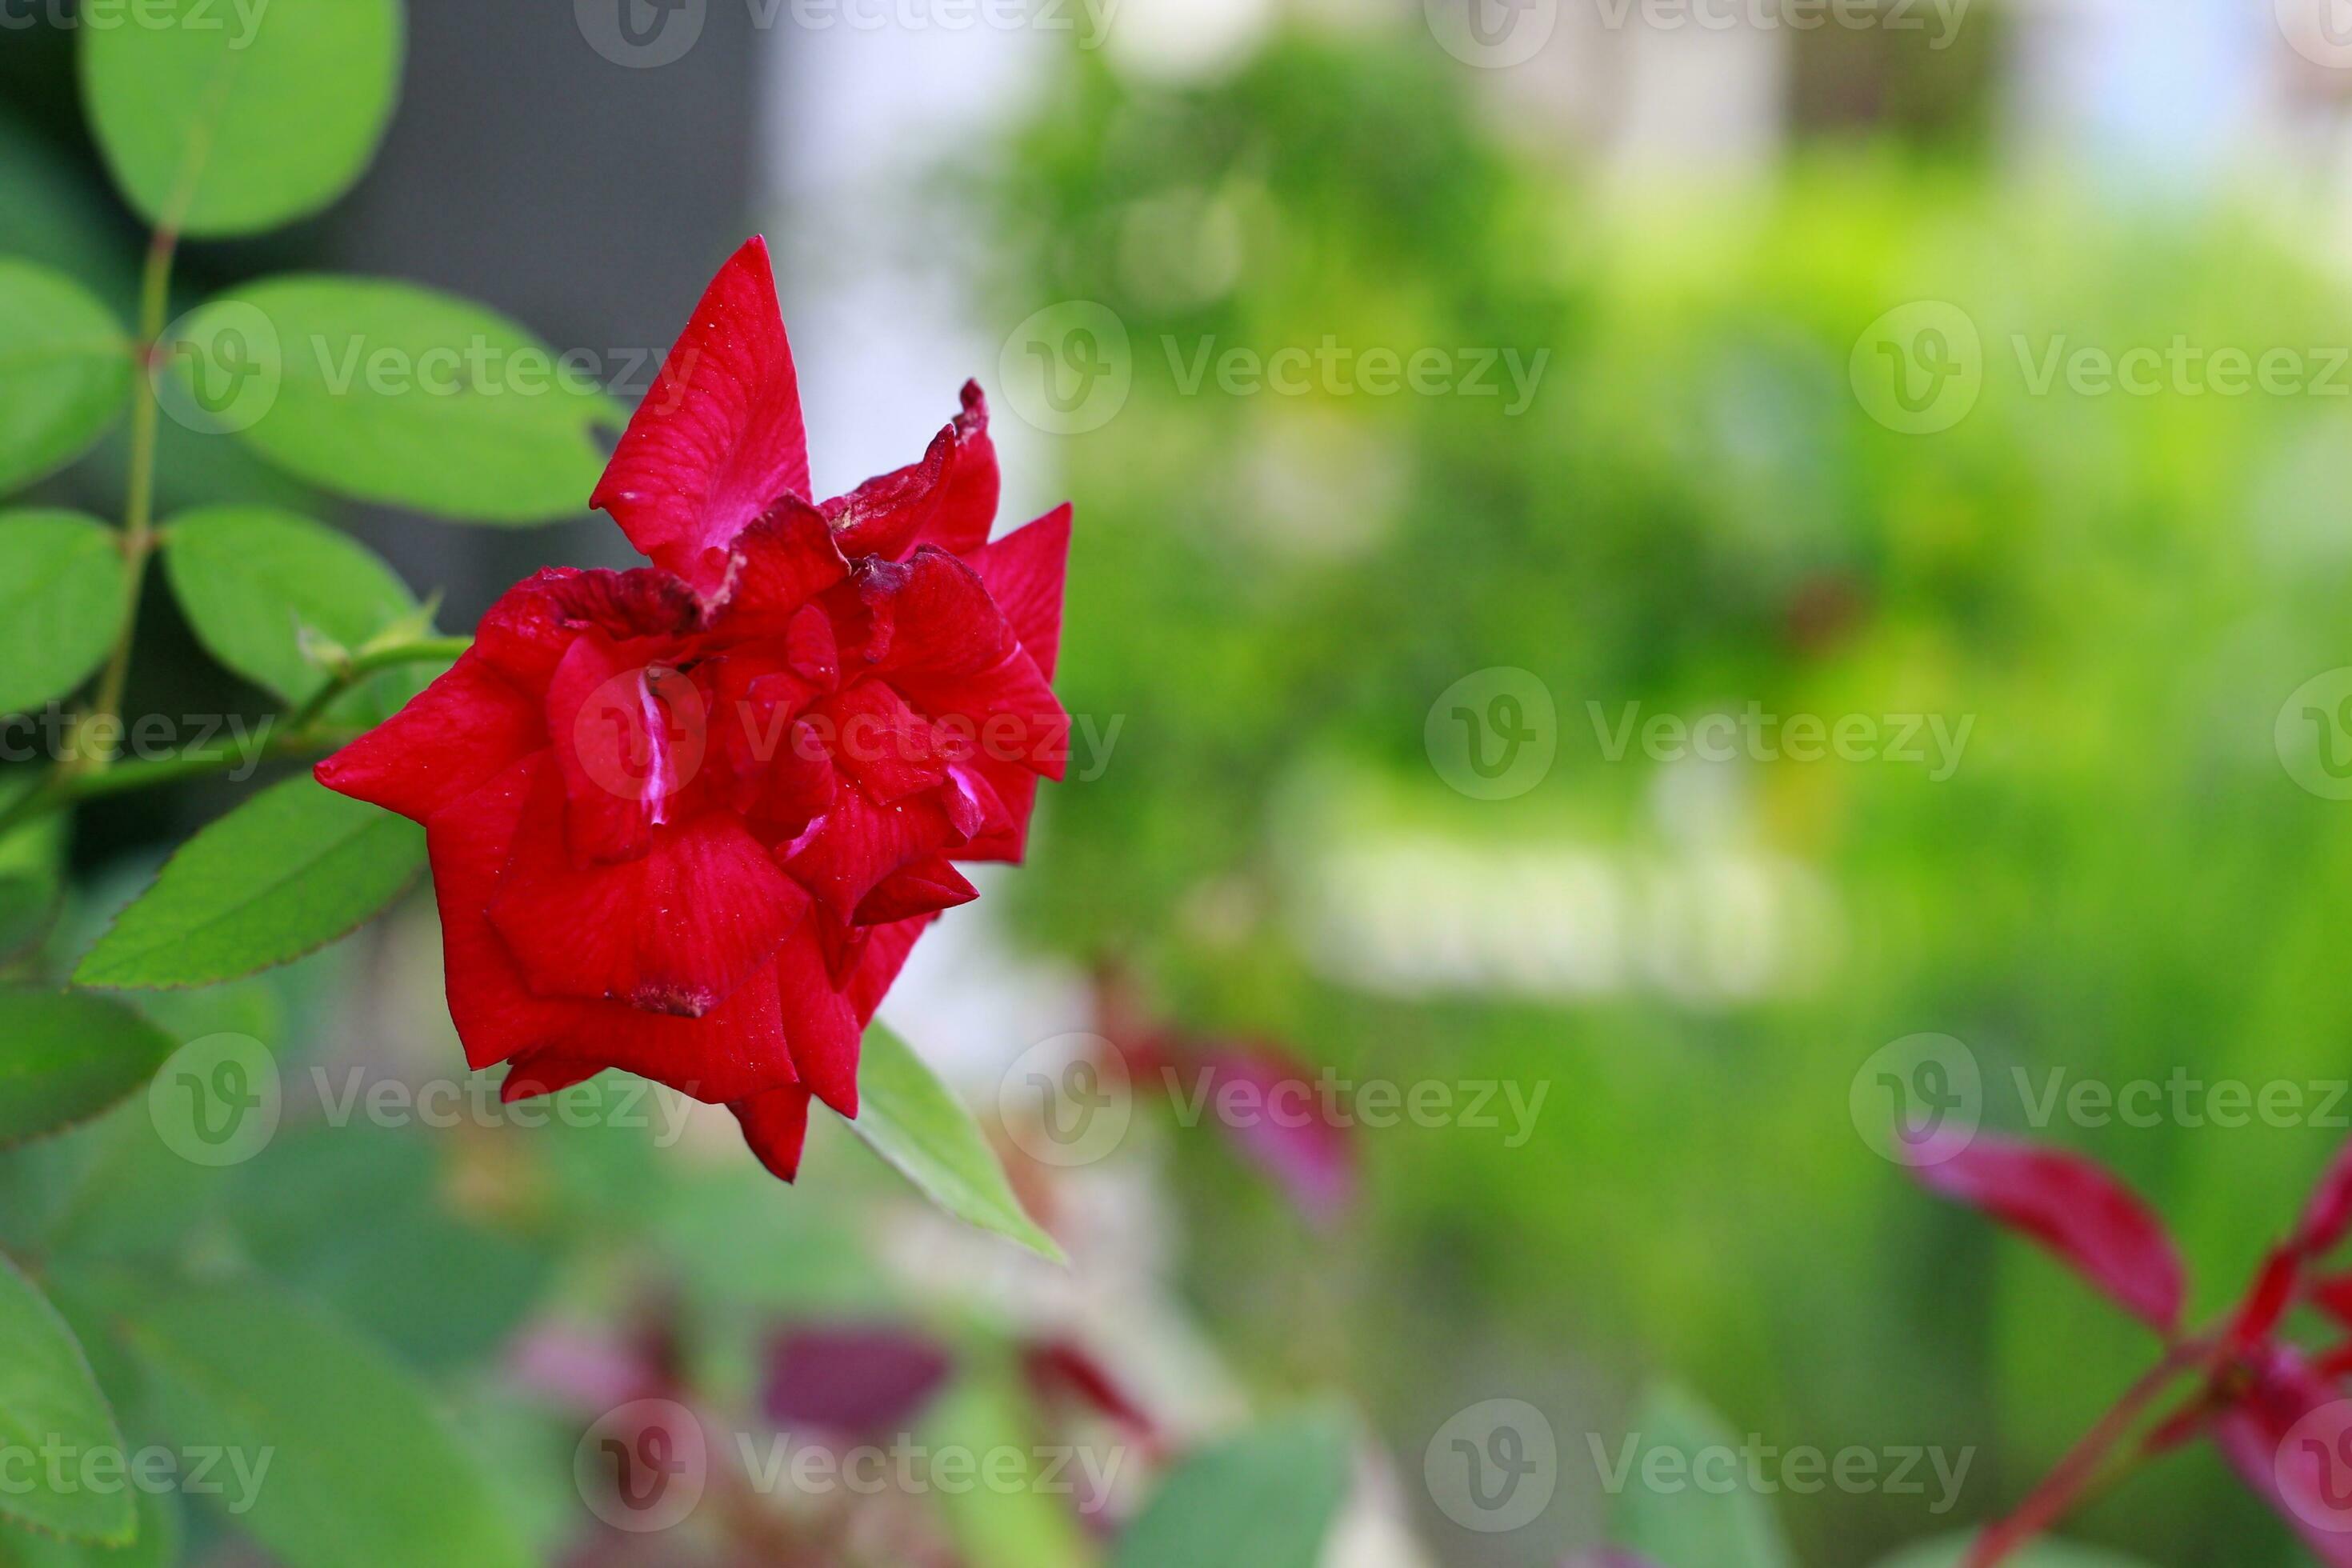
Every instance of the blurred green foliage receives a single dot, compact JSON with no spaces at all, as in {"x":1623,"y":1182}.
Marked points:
{"x":1697,"y":514}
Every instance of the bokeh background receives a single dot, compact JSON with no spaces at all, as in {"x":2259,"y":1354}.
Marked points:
{"x":1804,"y":433}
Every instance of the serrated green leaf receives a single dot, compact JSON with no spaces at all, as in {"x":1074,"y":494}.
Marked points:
{"x":65,"y":372}
{"x":399,"y":394}
{"x":362,"y":1470}
{"x":292,"y":869}
{"x":64,"y":1057}
{"x":218,"y":119}
{"x":156,"y":1546}
{"x":50,"y":1402}
{"x":1688,"y":1522}
{"x":909,"y":1117}
{"x":256,"y":583}
{"x":1265,"y":1498}
{"x":61,"y":602}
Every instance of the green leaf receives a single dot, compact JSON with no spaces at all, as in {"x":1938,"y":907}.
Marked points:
{"x":400,"y":394}
{"x":292,"y":869}
{"x":1030,"y":1522}
{"x":222,"y":119}
{"x":64,"y":1057}
{"x":909,"y":1117}
{"x":361,"y":1469}
{"x":1690,"y":1523}
{"x":31,"y":873}
{"x":65,"y":372}
{"x":61,"y":602}
{"x":1265,"y":1498}
{"x":257,"y":584}
{"x":437,"y":1289}
{"x":157,"y":1545}
{"x":49,"y":1400}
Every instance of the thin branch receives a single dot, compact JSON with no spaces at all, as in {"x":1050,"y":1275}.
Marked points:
{"x":139,"y":510}
{"x":2076,"y":1473}
{"x":301,"y":735}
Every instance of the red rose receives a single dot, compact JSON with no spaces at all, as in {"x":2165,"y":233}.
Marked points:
{"x":689,"y":820}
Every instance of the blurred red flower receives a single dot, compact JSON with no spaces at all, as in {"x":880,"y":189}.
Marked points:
{"x":2274,"y":1410}
{"x":689,"y":820}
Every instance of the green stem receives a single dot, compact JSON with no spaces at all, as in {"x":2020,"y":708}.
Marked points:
{"x":360,"y":666}
{"x":139,"y":509}
{"x":2078,"y":1474}
{"x":301,"y":735}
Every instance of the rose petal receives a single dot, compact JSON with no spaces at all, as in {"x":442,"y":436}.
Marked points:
{"x":775,"y":1125}
{"x":780,"y":562}
{"x":719,"y":439}
{"x":923,"y":888}
{"x":1024,"y":572}
{"x":951,"y":653}
{"x":674,"y":931}
{"x":463,"y":730}
{"x":882,"y":953}
{"x":888,"y":748}
{"x":542,"y":1073}
{"x":859,"y":844}
{"x":948,"y":499}
{"x":821,"y":1023}
{"x":738,"y":1050}
{"x":1007,"y":792}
